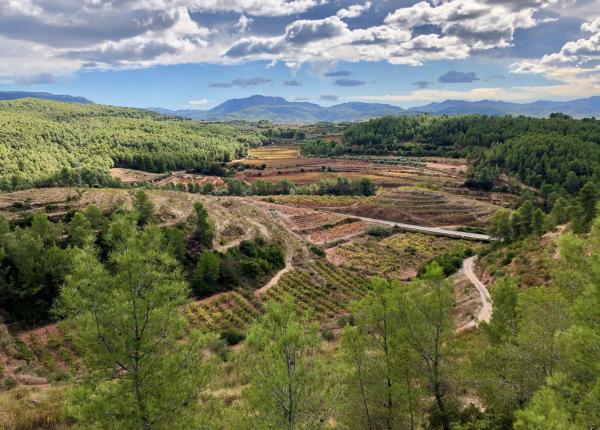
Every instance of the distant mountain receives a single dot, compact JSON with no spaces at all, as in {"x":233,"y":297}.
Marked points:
{"x":14,"y":95}
{"x":589,"y":107}
{"x":279,"y":110}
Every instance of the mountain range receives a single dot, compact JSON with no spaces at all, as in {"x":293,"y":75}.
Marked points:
{"x":14,"y":95}
{"x":279,"y":110}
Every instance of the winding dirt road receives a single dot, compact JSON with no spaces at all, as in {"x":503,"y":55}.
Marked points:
{"x":485,"y":313}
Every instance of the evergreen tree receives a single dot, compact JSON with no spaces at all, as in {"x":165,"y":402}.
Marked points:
{"x":143,"y":208}
{"x":139,"y":374}
{"x":287,"y":388}
{"x":203,"y":227}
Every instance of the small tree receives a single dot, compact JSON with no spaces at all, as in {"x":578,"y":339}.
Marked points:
{"x":139,"y":374}
{"x":538,"y":222}
{"x":143,"y":208}
{"x":204,"y":229}
{"x":80,"y":231}
{"x":287,"y":377}
{"x":207,"y":273}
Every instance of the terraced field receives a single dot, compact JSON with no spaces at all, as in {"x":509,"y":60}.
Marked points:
{"x":227,"y":310}
{"x":320,"y":288}
{"x":409,"y":205}
{"x":396,"y":257}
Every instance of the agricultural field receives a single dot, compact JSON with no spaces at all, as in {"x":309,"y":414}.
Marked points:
{"x":223,"y":311}
{"x":411,"y":205}
{"x":37,"y":356}
{"x":396,"y":257}
{"x":320,"y":288}
{"x":339,"y":232}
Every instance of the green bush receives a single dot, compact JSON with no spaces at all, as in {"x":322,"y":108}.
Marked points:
{"x":232,"y":336}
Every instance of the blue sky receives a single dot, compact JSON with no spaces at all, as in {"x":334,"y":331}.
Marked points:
{"x":198,"y":53}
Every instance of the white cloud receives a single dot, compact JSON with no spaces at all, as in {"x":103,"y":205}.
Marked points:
{"x":354,"y":11}
{"x":478,"y":24}
{"x":196,"y":103}
{"x":243,"y":23}
{"x":577,"y":64}
{"x":253,"y":7}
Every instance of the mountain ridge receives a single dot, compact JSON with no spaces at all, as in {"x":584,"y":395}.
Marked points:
{"x":278,"y":109}
{"x":15,"y":95}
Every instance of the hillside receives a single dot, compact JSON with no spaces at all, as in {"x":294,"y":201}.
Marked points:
{"x":47,"y":142}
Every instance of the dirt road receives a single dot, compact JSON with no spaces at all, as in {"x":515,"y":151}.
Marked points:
{"x":423,"y":229}
{"x":485,"y":313}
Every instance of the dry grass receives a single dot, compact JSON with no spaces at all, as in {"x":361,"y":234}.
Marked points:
{"x":32,"y":408}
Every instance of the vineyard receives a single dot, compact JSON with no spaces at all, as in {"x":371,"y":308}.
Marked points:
{"x":224,"y":311}
{"x":338,"y":232}
{"x":396,"y":257}
{"x":320,"y":288}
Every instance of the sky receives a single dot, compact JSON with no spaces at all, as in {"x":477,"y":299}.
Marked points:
{"x":195,"y":54}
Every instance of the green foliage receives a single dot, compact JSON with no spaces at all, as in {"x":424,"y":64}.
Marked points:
{"x":204,"y":229}
{"x":206,"y":276}
{"x":32,"y":269}
{"x":80,"y":231}
{"x":288,"y":388}
{"x":143,"y":208}
{"x":570,"y":398}
{"x":399,"y":356}
{"x":449,"y":262}
{"x":128,"y":328}
{"x":44,"y":143}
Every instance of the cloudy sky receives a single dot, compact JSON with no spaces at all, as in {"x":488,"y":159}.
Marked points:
{"x":198,"y":53}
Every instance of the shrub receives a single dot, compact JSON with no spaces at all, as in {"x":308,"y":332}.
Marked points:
{"x":379,"y":231}
{"x":9,"y":383}
{"x":328,"y":335}
{"x":317,"y":251}
{"x":232,"y":336}
{"x":345,"y":320}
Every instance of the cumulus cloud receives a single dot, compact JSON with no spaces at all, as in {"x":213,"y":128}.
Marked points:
{"x":329,"y":97}
{"x":61,"y":36}
{"x":577,"y":64}
{"x":482,"y":25}
{"x":243,"y":23}
{"x":454,"y":77}
{"x":292,"y":83}
{"x":242,"y":83}
{"x":354,"y":11}
{"x":345,"y":82}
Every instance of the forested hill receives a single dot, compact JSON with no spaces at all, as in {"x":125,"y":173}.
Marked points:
{"x":44,"y":143}
{"x":558,"y":154}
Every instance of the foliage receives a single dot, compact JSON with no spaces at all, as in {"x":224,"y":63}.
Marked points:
{"x":128,"y":328}
{"x":287,"y":377}
{"x":204,"y":229}
{"x":44,"y":143}
{"x":399,"y":355}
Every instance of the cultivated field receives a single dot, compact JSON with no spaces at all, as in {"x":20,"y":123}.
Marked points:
{"x":396,"y":257}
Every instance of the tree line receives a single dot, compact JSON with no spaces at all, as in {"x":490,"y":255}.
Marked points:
{"x":340,"y":186}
